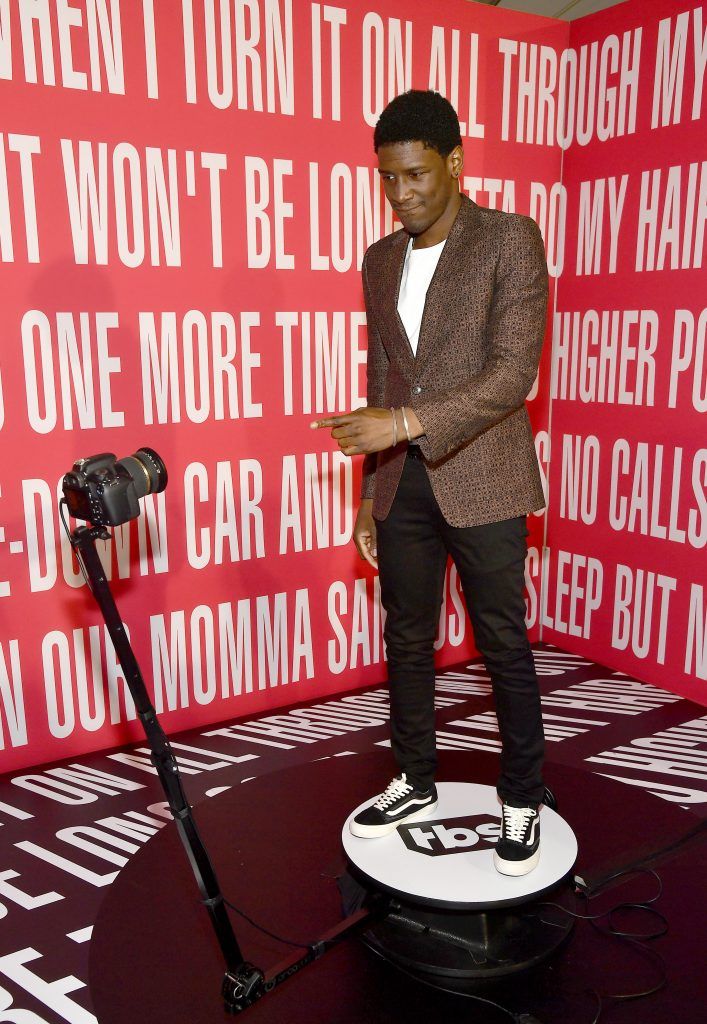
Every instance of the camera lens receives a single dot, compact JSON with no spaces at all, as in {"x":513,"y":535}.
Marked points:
{"x":146,"y":470}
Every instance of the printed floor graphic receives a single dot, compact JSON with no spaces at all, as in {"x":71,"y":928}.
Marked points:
{"x":67,"y":829}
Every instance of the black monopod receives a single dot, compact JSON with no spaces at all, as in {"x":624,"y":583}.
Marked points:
{"x":106,"y":492}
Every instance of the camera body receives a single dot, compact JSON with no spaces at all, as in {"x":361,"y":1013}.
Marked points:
{"x":106,"y":492}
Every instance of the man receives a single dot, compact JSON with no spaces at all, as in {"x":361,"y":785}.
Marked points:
{"x":456,"y":304}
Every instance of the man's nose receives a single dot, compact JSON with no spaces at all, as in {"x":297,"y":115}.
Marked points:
{"x":401,"y":191}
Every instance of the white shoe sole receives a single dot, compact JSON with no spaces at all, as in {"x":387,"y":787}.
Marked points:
{"x":378,"y":831}
{"x":516,"y":867}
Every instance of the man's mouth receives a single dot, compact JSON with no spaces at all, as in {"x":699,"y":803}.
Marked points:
{"x":407,"y":209}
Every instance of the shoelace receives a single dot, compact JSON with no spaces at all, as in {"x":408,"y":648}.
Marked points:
{"x":515,"y":820}
{"x":394,"y":790}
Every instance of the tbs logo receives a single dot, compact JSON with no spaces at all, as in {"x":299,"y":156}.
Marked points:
{"x":452,"y":835}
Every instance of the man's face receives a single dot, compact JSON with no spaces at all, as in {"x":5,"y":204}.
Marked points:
{"x":419,"y":183}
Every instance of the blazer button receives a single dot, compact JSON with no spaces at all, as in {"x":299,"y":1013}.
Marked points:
{"x":416,"y":389}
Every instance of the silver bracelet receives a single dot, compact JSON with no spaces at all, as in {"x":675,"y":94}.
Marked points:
{"x":395,"y":426}
{"x":405,"y":424}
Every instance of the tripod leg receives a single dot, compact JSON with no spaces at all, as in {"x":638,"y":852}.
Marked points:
{"x":243,"y":982}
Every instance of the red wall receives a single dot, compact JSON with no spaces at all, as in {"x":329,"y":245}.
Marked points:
{"x":183,"y":213}
{"x":627,"y":523}
{"x":175,"y":273}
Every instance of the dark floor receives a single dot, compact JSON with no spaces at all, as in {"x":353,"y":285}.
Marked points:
{"x":69,"y":828}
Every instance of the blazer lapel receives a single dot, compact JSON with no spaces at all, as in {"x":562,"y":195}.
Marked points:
{"x":458,"y":249}
{"x":392,"y":273}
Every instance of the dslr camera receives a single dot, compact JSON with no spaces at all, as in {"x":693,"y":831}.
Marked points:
{"x":105,"y":491}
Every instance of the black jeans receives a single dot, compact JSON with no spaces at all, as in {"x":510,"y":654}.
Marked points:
{"x":413,"y":543}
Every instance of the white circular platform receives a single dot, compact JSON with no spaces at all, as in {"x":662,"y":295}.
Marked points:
{"x":446,"y":859}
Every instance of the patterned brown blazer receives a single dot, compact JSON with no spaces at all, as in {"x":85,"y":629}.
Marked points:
{"x":478,"y":351}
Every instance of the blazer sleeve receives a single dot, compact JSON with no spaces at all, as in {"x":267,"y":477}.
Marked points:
{"x":377,"y":363}
{"x":514,"y":338}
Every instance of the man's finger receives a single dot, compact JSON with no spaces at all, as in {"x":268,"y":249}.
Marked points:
{"x":368,"y":554}
{"x":331,"y":421}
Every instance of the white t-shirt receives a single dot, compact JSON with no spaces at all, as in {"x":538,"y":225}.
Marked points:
{"x":419,"y":267}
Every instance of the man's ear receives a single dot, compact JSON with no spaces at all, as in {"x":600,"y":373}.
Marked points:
{"x":455,"y":161}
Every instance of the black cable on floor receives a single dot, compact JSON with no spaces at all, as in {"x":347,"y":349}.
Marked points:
{"x":595,"y":888}
{"x":636,"y":939}
{"x":265,"y":931}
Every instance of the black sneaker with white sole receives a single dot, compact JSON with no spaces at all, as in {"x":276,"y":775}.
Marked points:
{"x":518,"y":849}
{"x":400,"y":803}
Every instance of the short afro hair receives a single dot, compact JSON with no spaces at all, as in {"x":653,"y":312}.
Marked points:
{"x":419,"y":115}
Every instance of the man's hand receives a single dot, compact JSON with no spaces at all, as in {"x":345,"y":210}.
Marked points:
{"x":364,"y":533}
{"x":370,"y":430}
{"x":362,"y":431}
